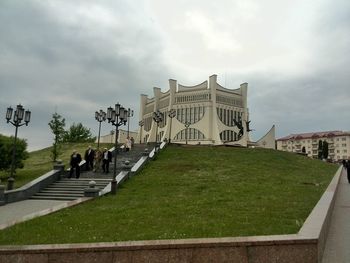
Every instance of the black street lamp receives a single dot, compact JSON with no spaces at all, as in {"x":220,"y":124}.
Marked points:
{"x":118,"y":117}
{"x":100,"y":116}
{"x":141,"y":123}
{"x":17,"y":119}
{"x":171,"y":115}
{"x":157,"y":117}
{"x":130,"y":114}
{"x":112,"y":133}
{"x":187,"y":124}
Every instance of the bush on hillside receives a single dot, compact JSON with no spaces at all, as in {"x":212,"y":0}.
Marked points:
{"x":6,"y":150}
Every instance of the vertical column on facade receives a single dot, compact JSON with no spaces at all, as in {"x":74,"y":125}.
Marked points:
{"x":141,"y":133}
{"x":153,"y":135}
{"x":172,"y":87}
{"x":213,"y":117}
{"x":244,"y":92}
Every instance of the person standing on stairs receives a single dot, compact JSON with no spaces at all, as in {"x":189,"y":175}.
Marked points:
{"x":89,"y":158}
{"x":107,"y":158}
{"x":127,"y":144}
{"x":75,"y":160}
{"x":97,"y":161}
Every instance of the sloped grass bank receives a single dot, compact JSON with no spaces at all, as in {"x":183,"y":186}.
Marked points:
{"x":192,"y":192}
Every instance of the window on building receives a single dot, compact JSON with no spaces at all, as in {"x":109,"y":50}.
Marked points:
{"x":192,"y":134}
{"x":228,"y":136}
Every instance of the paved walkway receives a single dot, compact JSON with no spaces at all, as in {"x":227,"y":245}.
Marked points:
{"x":337,"y":247}
{"x":23,"y":210}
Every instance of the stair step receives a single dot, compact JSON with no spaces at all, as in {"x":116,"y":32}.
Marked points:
{"x":74,"y":186}
{"x":84,"y":180}
{"x":60,"y":194}
{"x":53,"y":198}
{"x":61,"y":191}
{"x":82,"y":183}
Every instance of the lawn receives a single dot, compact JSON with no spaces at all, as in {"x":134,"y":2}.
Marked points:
{"x":40,"y":162}
{"x":192,"y":192}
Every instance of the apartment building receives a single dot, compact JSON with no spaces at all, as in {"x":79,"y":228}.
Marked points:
{"x":338,"y":143}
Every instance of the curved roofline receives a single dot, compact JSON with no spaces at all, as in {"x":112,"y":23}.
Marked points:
{"x":191,"y":88}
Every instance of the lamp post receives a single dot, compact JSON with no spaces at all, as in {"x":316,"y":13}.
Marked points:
{"x":118,"y":117}
{"x":141,"y":123}
{"x":100,"y":116}
{"x":17,"y":119}
{"x":157,"y":117}
{"x":171,"y":115}
{"x":112,"y":133}
{"x":130,"y":114}
{"x":187,"y":124}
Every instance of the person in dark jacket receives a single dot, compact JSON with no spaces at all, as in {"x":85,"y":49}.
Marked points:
{"x":344,"y":162}
{"x":75,"y":160}
{"x":89,"y":158}
{"x":106,"y":159}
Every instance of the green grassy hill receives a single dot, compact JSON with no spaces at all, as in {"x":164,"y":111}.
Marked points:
{"x":40,"y":162}
{"x":193,"y":192}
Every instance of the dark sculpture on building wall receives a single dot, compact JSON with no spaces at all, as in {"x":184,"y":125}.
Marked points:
{"x":239,"y":124}
{"x":247,"y":126}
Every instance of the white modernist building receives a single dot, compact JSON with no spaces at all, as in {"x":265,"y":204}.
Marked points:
{"x":338,"y":143}
{"x":203,"y":114}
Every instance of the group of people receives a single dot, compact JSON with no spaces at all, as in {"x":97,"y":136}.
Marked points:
{"x":95,"y":159}
{"x":129,"y":143}
{"x":346,"y":164}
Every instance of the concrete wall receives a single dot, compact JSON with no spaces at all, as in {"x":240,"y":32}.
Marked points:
{"x":33,"y":187}
{"x":240,"y":250}
{"x":268,"y":140}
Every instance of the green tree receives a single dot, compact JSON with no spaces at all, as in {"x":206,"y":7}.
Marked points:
{"x":325,"y":149}
{"x":6,"y":150}
{"x":320,"y":149}
{"x":78,"y":133}
{"x":57,"y":125}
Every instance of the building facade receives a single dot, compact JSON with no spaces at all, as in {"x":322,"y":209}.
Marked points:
{"x":338,"y":144}
{"x":203,"y":114}
{"x":123,"y":134}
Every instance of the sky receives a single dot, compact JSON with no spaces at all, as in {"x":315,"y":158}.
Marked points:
{"x":76,"y":57}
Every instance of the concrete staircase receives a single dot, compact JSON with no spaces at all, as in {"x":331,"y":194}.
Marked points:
{"x":71,"y":189}
{"x":68,"y":189}
{"x":132,"y":156}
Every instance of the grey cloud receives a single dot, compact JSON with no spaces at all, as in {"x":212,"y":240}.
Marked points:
{"x":45,"y":59}
{"x":50,"y":60}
